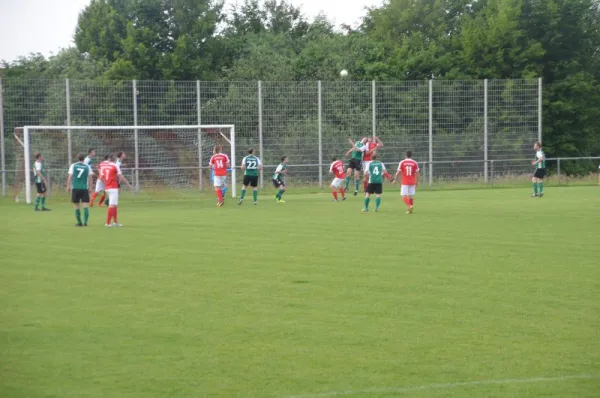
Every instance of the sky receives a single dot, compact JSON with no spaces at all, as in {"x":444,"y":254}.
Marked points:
{"x":46,"y":26}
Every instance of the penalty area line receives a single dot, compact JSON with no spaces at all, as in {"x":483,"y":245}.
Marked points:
{"x":444,"y":386}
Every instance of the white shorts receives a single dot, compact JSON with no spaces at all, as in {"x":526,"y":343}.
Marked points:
{"x":365,"y":165}
{"x":337,"y":183}
{"x":99,"y":185}
{"x":113,"y":196}
{"x":407,"y":190}
{"x":220,"y":181}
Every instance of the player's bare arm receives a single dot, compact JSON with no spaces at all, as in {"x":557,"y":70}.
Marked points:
{"x":378,"y":142}
{"x":69,"y":182}
{"x":123,"y":180}
{"x":540,"y":160}
{"x":41,"y":176}
{"x":417,"y":178}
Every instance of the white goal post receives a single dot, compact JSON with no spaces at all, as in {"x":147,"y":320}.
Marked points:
{"x":156,"y":153}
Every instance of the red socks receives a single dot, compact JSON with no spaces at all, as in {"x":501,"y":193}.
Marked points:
{"x":342,"y":192}
{"x":365,"y":183}
{"x":93,"y":198}
{"x":220,"y":195}
{"x":101,"y":199}
{"x":411,"y":201}
{"x":111,"y":214}
{"x":406,"y":200}
{"x":335,"y":195}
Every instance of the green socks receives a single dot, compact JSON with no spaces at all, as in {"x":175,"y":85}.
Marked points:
{"x":535,"y":188}
{"x":367,"y":200}
{"x":347,"y":183}
{"x":37,"y":202}
{"x":255,"y":195}
{"x":43,"y":202}
{"x":279,"y":194}
{"x":78,"y":216}
{"x":86,"y":215}
{"x":356,"y":184}
{"x":377,"y":203}
{"x":243,"y":194}
{"x":541,"y":187}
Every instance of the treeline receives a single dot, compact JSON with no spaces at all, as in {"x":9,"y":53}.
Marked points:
{"x":558,"y":40}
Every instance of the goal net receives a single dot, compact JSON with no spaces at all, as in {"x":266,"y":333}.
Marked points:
{"x":169,"y":159}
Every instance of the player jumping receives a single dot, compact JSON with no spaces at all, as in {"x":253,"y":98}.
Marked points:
{"x":41,"y":183}
{"x":409,"y":169}
{"x":337,"y":169}
{"x":112,"y":179}
{"x":357,"y":151}
{"x":540,"y":170}
{"x":278,"y":180}
{"x":372,"y":144}
{"x":251,"y":165}
{"x":375,"y":173}
{"x":100,"y":183}
{"x":219,"y":162}
{"x":79,"y":182}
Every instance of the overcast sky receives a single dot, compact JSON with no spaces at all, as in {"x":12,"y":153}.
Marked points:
{"x":45,"y":26}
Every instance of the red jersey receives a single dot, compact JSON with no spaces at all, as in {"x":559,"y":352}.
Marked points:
{"x":219,"y":164}
{"x":101,"y":167}
{"x":370,"y":147}
{"x":110,"y":176}
{"x":409,"y":169}
{"x":337,"y":168}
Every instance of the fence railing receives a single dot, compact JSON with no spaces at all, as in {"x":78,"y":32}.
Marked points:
{"x":455,"y":128}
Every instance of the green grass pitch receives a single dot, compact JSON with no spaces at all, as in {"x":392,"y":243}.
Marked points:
{"x":485,"y":293}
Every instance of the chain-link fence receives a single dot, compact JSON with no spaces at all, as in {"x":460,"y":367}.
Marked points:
{"x":458,"y":130}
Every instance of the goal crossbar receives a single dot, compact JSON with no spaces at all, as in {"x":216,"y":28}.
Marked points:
{"x":199,"y":127}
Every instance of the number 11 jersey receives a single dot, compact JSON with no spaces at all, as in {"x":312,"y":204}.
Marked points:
{"x":409,"y":168}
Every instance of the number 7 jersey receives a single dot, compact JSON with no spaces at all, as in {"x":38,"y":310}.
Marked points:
{"x":409,"y":169}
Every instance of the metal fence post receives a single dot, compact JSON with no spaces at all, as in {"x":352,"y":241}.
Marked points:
{"x":485,"y":131}
{"x":135,"y":137}
{"x":430,"y":132}
{"x":492,"y":172}
{"x":199,"y":121}
{"x":558,"y":170}
{"x":374,"y":106}
{"x":2,"y":148}
{"x":320,"y":128}
{"x":540,"y":103}
{"x":69,"y":137}
{"x":260,"y":132}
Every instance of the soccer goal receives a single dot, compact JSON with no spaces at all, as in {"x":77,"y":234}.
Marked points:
{"x":158,"y":158}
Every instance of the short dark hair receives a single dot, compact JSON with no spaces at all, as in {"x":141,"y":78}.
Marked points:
{"x":120,"y":153}
{"x":408,"y":154}
{"x":81,"y":157}
{"x":112,"y":157}
{"x":251,"y":150}
{"x":38,"y":155}
{"x":91,"y":150}
{"x":334,"y":158}
{"x":217,"y":149}
{"x":283,"y":158}
{"x":374,"y":156}
{"x":538,"y":144}
{"x":107,"y":156}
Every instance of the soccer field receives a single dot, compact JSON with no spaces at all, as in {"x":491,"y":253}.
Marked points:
{"x":480,"y":293}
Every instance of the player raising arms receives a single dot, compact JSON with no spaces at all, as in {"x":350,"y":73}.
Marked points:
{"x":219,"y":162}
{"x":409,"y":169}
{"x":372,"y":144}
{"x":251,"y":165}
{"x":112,"y":180}
{"x":337,"y":169}
{"x":278,"y":180}
{"x":78,"y":182}
{"x":375,"y":173}
{"x":100,"y":182}
{"x":357,"y":151}
{"x":540,"y":170}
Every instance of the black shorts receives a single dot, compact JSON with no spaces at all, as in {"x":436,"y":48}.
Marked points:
{"x":355,"y":164}
{"x":375,"y":188}
{"x":250,"y":180}
{"x":41,"y":187}
{"x":278,"y":183}
{"x":80,"y":195}
{"x":540,"y":173}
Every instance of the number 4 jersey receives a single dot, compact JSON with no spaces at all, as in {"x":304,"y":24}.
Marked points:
{"x":409,"y":169}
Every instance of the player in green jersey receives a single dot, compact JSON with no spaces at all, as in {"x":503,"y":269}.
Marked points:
{"x":80,"y":178}
{"x":41,"y":183}
{"x":540,"y":171}
{"x":357,"y":151}
{"x":278,"y":180}
{"x":89,"y":160}
{"x":376,"y":173}
{"x":251,"y":165}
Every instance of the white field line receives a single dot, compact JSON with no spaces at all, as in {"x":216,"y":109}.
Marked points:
{"x":444,"y":386}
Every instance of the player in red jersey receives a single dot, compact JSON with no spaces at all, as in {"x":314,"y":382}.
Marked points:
{"x":219,"y":162}
{"x":100,"y":183}
{"x":372,"y":144}
{"x":112,"y":177}
{"x":337,"y":169}
{"x":409,"y":169}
